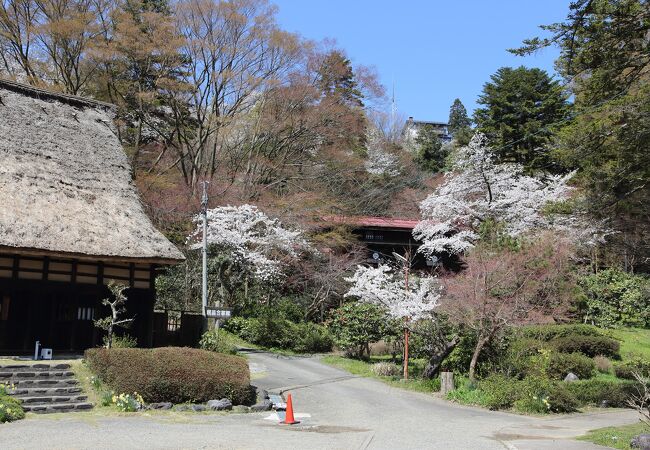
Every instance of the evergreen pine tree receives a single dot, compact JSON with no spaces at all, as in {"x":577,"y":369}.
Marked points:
{"x":522,"y":109}
{"x":458,"y":119}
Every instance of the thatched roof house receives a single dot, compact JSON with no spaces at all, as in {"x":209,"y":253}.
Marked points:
{"x":65,"y":181}
{"x":70,"y":219}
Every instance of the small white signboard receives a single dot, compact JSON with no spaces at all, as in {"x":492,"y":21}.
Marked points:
{"x":217,"y":313}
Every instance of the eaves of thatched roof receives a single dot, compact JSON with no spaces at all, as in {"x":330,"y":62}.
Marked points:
{"x":65,"y":183}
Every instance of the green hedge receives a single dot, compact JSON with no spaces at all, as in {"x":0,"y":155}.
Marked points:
{"x":588,"y":345}
{"x":305,"y":337}
{"x":173,"y":374}
{"x":594,"y":392}
{"x":627,"y":369}
{"x":560,"y":364}
{"x":530,"y":395}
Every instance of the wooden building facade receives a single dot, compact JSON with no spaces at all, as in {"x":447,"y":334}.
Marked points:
{"x":70,"y":223}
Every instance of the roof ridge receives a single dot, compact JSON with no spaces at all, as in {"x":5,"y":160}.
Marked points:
{"x":41,"y":93}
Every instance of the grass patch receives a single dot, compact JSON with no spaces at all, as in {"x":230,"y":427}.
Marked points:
{"x":634,"y":342}
{"x":364,"y":369}
{"x":615,"y":437}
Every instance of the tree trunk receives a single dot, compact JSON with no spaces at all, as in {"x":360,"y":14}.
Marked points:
{"x":477,"y":352}
{"x":433,"y":365}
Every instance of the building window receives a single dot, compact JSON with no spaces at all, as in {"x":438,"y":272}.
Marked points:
{"x":85,"y":313}
{"x":173,"y":323}
{"x":372,"y":236}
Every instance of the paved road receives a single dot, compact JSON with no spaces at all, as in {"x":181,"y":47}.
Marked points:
{"x":337,"y":411}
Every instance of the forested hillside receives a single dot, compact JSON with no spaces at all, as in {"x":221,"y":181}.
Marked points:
{"x":217,"y":91}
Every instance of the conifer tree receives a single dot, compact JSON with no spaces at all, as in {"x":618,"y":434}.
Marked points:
{"x":458,"y":118}
{"x":522,"y":109}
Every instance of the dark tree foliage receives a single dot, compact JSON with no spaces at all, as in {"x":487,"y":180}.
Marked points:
{"x":605,"y":52}
{"x":430,"y":154}
{"x":458,"y":118}
{"x":337,"y":79}
{"x":522,"y":109}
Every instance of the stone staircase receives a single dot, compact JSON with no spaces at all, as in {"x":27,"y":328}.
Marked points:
{"x":45,"y":388}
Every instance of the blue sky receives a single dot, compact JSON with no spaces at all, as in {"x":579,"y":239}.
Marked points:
{"x":434,"y":50}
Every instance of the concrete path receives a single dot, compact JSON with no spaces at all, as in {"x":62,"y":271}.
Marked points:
{"x":337,"y":411}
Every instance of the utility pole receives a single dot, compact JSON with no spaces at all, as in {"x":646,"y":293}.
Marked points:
{"x":406,"y":262}
{"x":204,"y":286}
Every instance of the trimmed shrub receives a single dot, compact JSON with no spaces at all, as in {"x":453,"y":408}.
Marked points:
{"x":627,"y":369}
{"x":501,"y":392}
{"x":173,"y":374}
{"x":219,"y":341}
{"x":588,"y":345}
{"x":385,"y":369}
{"x":560,"y":364}
{"x":550,"y":332}
{"x":537,"y":393}
{"x":561,"y":399}
{"x":594,"y":392}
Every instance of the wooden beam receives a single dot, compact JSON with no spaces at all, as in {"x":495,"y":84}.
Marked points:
{"x":14,"y":270}
{"x":46,"y":267}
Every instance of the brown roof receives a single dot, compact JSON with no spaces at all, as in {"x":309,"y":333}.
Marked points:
{"x":65,"y":183}
{"x":371,"y":221}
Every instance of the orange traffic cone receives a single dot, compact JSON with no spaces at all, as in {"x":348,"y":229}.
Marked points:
{"x":288,"y":417}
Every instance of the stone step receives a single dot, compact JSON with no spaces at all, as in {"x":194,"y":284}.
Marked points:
{"x":34,"y":374}
{"x":54,"y":399}
{"x":33,"y":367}
{"x":44,"y":391}
{"x":40,"y":383}
{"x":57,"y":407}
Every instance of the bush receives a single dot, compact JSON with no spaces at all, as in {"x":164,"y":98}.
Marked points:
{"x":277,"y":332}
{"x":525,"y":357}
{"x":616,"y":298}
{"x":562,"y":400}
{"x":173,"y":374}
{"x":537,"y":393}
{"x":311,"y":338}
{"x":588,"y":345}
{"x":627,"y":369}
{"x":10,"y":409}
{"x":385,"y":369}
{"x":219,"y":341}
{"x":355,"y":325}
{"x":603,"y":364}
{"x":501,"y":391}
{"x":594,"y":392}
{"x":560,"y":364}
{"x":125,"y":341}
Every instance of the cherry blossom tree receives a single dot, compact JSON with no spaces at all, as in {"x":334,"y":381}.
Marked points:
{"x":407,"y":299}
{"x":502,"y":287}
{"x":380,"y":161}
{"x":381,"y":286}
{"x":477,"y":189}
{"x":256,"y":242}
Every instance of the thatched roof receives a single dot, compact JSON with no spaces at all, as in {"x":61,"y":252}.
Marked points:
{"x":65,"y":183}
